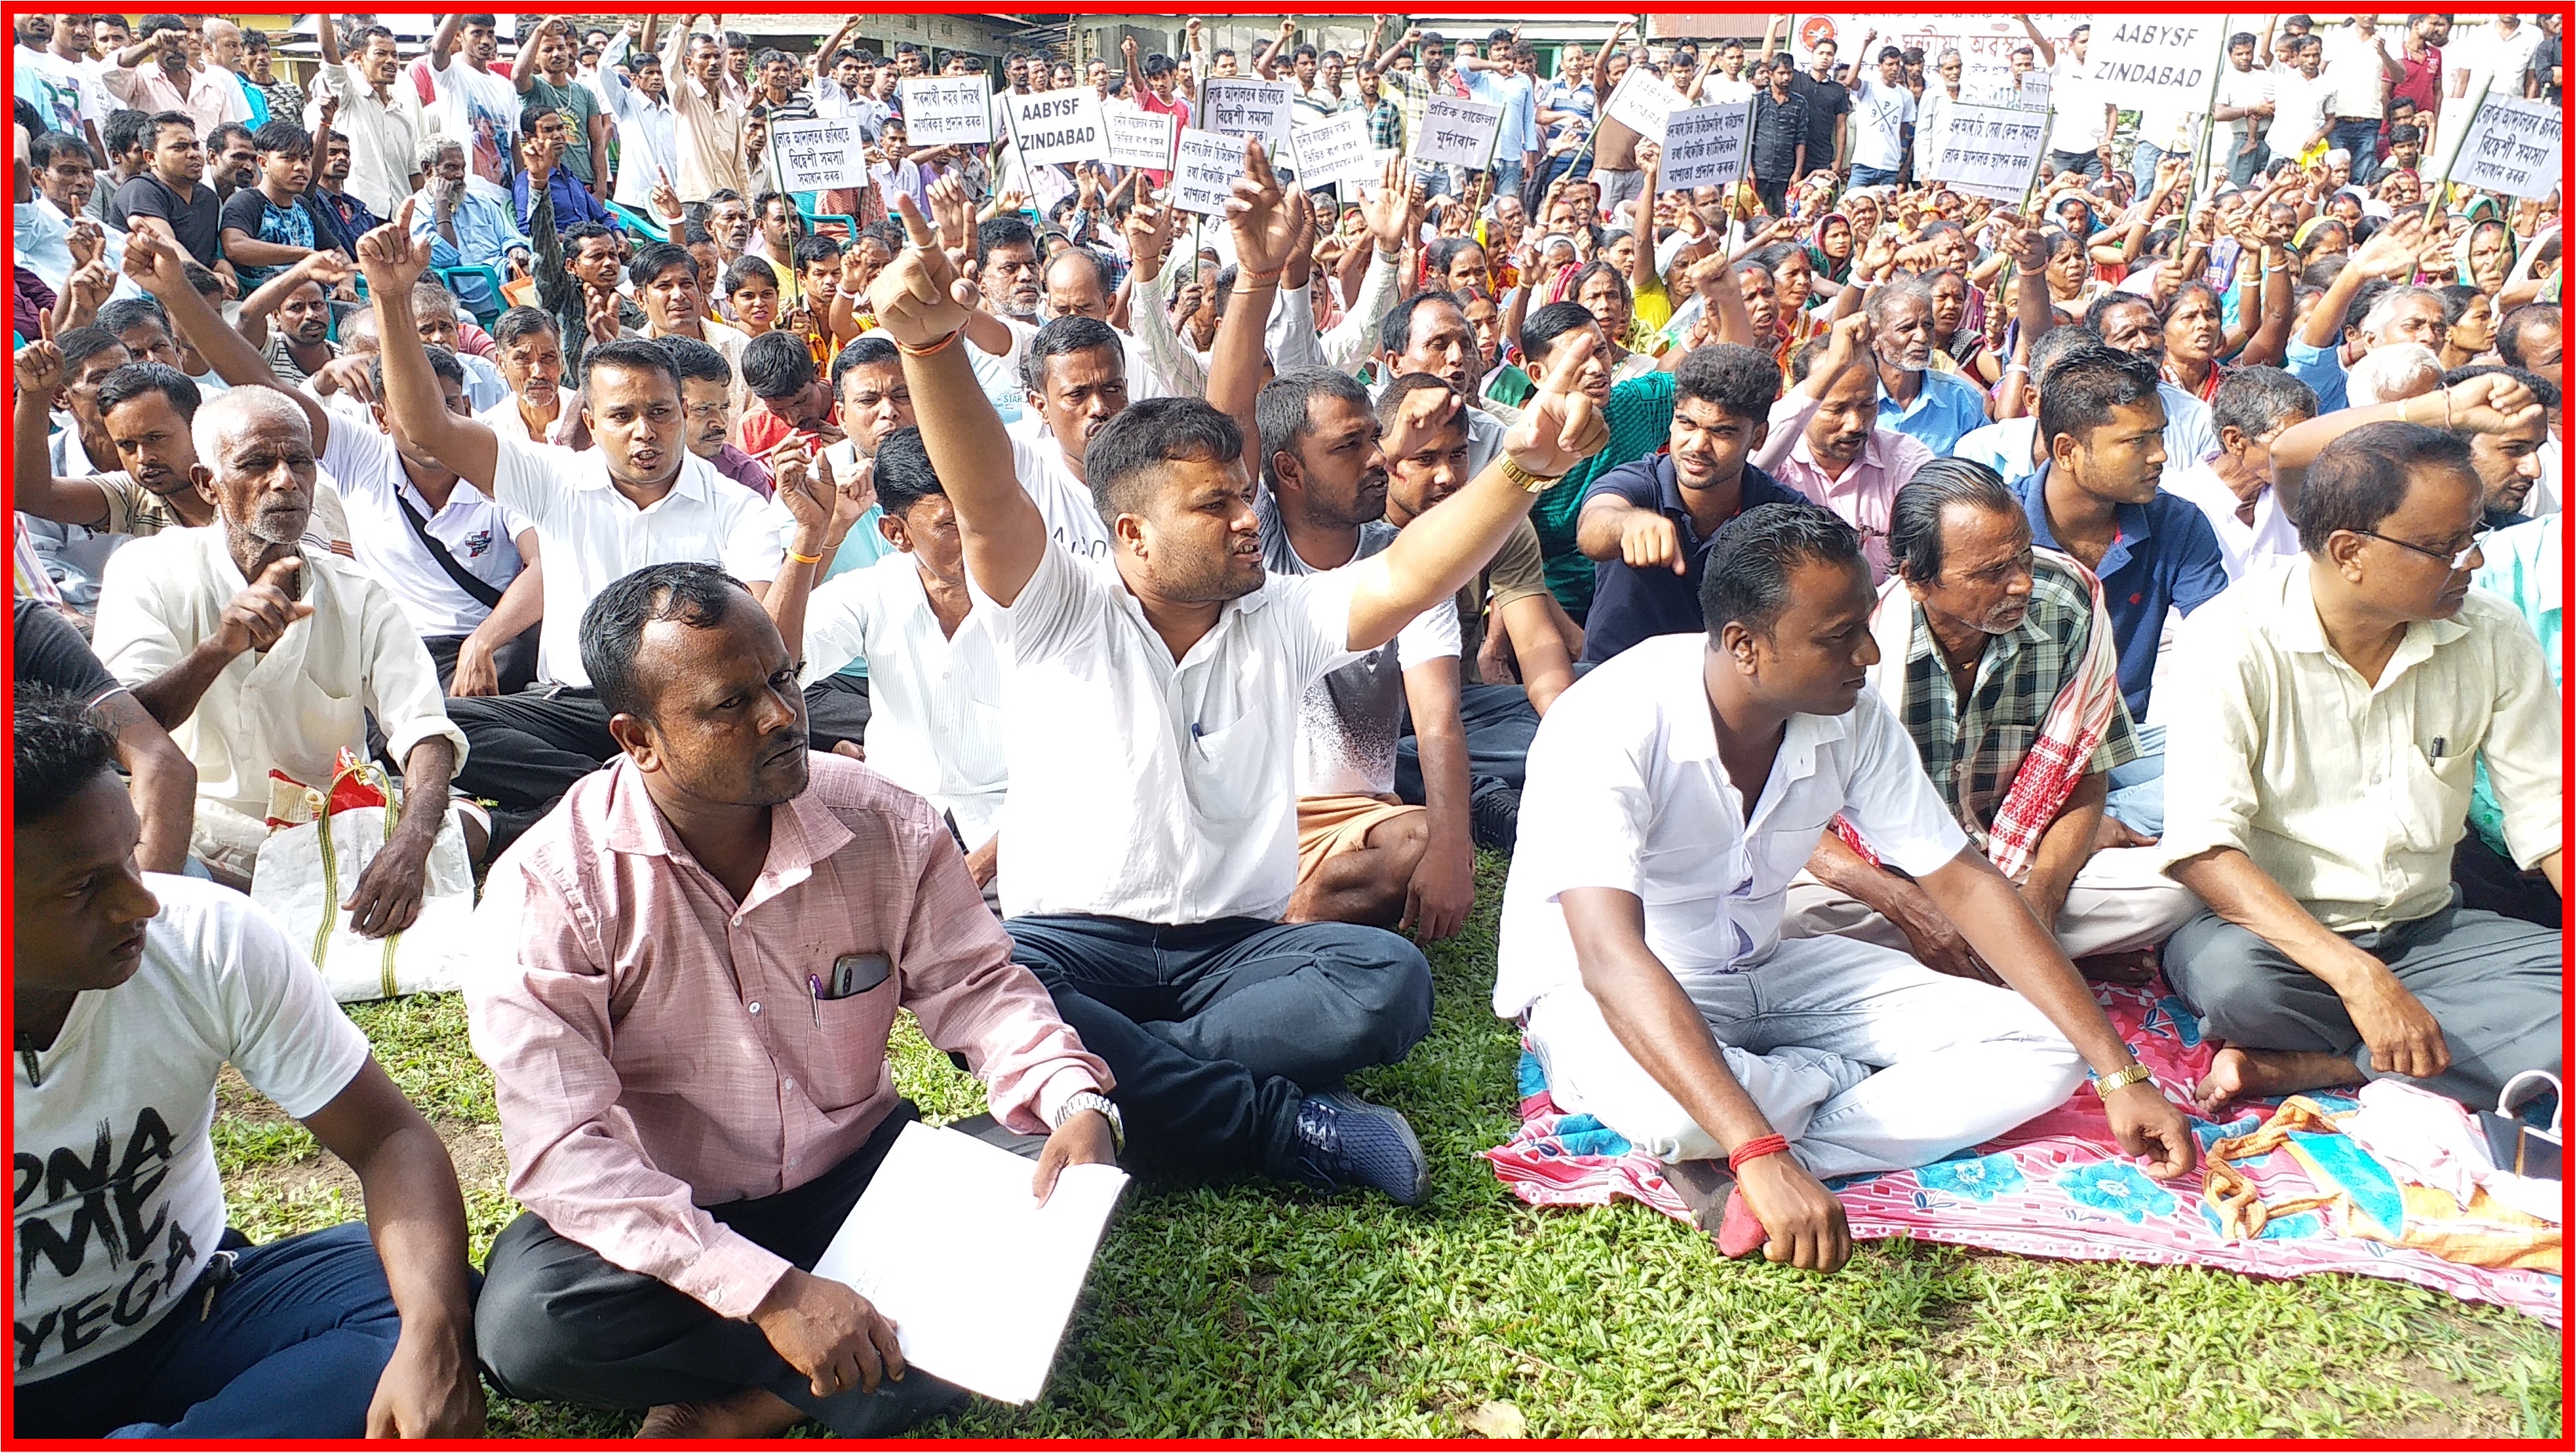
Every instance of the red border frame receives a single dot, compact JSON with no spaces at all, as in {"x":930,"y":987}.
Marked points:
{"x":1550,"y":9}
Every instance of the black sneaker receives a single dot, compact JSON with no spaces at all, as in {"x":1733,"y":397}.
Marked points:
{"x":1494,"y":818}
{"x":1345,"y":1141}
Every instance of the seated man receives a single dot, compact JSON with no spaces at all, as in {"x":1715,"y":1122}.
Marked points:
{"x":2508,"y":461}
{"x":684,"y":1156}
{"x":638,"y":498}
{"x":2322,"y":764}
{"x":1672,"y":794}
{"x":287,"y":318}
{"x":707,"y":404}
{"x":71,"y":367}
{"x":259,"y":655}
{"x":1825,"y":443}
{"x":543,"y":407}
{"x":667,"y":288}
{"x":266,"y":226}
{"x":1998,"y":660}
{"x":1074,"y":371}
{"x":794,"y":401}
{"x":1364,"y":855}
{"x":133,"y":990}
{"x":1150,"y":720}
{"x":2234,"y":487}
{"x":1925,"y":404}
{"x":933,"y":716}
{"x":2094,"y":497}
{"x":1531,"y":637}
{"x":434,"y":305}
{"x":1648,"y":524}
{"x":465,"y":228}
{"x":2525,"y":568}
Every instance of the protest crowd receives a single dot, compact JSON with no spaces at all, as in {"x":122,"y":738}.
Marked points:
{"x":1089,"y":549}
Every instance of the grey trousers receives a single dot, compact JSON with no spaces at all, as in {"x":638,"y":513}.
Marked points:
{"x":2494,"y":985}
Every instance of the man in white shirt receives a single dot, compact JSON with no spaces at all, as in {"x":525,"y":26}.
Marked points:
{"x":1728,"y":84}
{"x":2244,"y":105}
{"x":133,"y":990}
{"x":2081,"y":118}
{"x":446,"y":553}
{"x":934,"y":721}
{"x":1882,"y":117}
{"x":1074,"y":371}
{"x":637,"y":498}
{"x":636,"y":96}
{"x":2234,"y":486}
{"x":477,"y":104}
{"x":2498,"y":53}
{"x":1932,"y":110}
{"x":1672,"y":795}
{"x":2301,"y":98}
{"x":2359,"y":69}
{"x":258,"y":657}
{"x":2321,"y":769}
{"x":379,"y":113}
{"x":59,"y":81}
{"x":1150,"y":722}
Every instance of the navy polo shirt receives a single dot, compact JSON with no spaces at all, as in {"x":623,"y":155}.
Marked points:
{"x":2165,"y":555}
{"x":1630,"y":605}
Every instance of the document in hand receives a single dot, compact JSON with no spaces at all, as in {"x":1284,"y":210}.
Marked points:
{"x":977,"y":1277}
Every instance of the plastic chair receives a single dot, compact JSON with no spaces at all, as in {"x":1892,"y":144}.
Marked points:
{"x":641,"y":223}
{"x":492,"y":275}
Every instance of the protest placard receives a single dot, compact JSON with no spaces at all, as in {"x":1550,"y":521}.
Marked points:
{"x":947,"y":110}
{"x":816,"y":156}
{"x":1140,"y":138}
{"x":1990,"y":151}
{"x":1335,"y":151}
{"x":1706,"y":146}
{"x":1642,"y":103}
{"x":1204,"y":168}
{"x":1247,"y":108}
{"x":2141,"y":61}
{"x":1057,"y":126}
{"x":1456,"y":132}
{"x":2512,"y":147}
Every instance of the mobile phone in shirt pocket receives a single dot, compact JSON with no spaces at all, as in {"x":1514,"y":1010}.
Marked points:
{"x":852,"y":975}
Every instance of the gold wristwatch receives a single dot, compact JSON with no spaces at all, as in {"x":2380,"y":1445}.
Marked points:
{"x":2103,"y":1085}
{"x":1533,"y":483}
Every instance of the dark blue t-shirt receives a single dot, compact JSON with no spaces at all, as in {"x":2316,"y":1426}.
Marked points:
{"x":1631,"y":605}
{"x":2165,"y":555}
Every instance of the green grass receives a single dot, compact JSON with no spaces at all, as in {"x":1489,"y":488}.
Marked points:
{"x":1245,"y":1309}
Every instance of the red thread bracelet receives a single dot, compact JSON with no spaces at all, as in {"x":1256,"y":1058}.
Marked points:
{"x":1756,"y":1148}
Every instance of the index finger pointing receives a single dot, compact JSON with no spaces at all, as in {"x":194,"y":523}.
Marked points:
{"x":915,"y":227}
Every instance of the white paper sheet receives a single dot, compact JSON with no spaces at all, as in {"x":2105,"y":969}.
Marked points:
{"x":978,"y":1279}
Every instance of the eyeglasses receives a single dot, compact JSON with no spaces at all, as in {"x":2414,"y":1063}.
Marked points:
{"x":2458,"y":560}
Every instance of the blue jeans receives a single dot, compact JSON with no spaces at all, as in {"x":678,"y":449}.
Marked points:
{"x":2241,"y":167}
{"x":291,"y":1347}
{"x":2143,"y":163}
{"x":1217,"y":1030}
{"x":1499,"y":724}
{"x":1507,"y":177}
{"x":2138,"y":787}
{"x":2361,"y":138}
{"x":1871,"y":176}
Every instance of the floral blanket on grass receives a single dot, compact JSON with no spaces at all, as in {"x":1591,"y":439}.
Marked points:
{"x":2057,"y":1186}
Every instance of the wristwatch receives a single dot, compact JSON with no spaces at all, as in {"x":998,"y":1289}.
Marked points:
{"x":1533,"y":483}
{"x":1082,"y":1100}
{"x":2103,"y":1085}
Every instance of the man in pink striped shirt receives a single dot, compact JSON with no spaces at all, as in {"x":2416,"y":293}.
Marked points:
{"x":685,"y":1141}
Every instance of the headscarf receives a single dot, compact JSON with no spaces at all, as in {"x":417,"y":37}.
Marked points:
{"x":2468,"y":239}
{"x":1826,"y":267}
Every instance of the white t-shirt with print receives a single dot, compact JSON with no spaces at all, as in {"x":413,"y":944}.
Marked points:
{"x":118,"y":1198}
{"x":1879,"y":116}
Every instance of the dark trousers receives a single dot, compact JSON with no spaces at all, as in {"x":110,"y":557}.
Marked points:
{"x":1500,"y":724}
{"x":2242,"y":166}
{"x":557,"y":1322}
{"x":1217,"y":1030}
{"x":2361,"y":138}
{"x":836,"y":710}
{"x":2089,"y":163}
{"x":526,"y":749}
{"x":290,"y":1347}
{"x":2488,"y":880}
{"x":515,"y":662}
{"x":1774,"y":192}
{"x":2493,"y":984}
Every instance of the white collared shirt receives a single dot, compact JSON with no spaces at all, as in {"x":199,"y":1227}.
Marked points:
{"x":479,"y":535}
{"x":590,"y":535}
{"x":934,"y":700}
{"x":383,"y":135}
{"x":2272,"y":535}
{"x":1625,"y":790}
{"x":1072,"y":515}
{"x":293,"y":707}
{"x":1146,"y":788}
{"x":2351,"y":795}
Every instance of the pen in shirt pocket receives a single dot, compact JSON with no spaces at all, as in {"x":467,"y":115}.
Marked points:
{"x":2441,"y":747}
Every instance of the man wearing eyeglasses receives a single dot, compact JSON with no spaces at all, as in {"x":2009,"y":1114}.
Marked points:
{"x":2322,"y":759}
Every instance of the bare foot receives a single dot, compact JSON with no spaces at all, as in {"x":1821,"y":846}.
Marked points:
{"x":754,"y":1412}
{"x":2137,"y":966}
{"x":2239,"y":1074}
{"x":1703,"y":1185}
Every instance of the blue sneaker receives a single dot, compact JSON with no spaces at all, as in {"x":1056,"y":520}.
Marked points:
{"x":1345,"y":1141}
